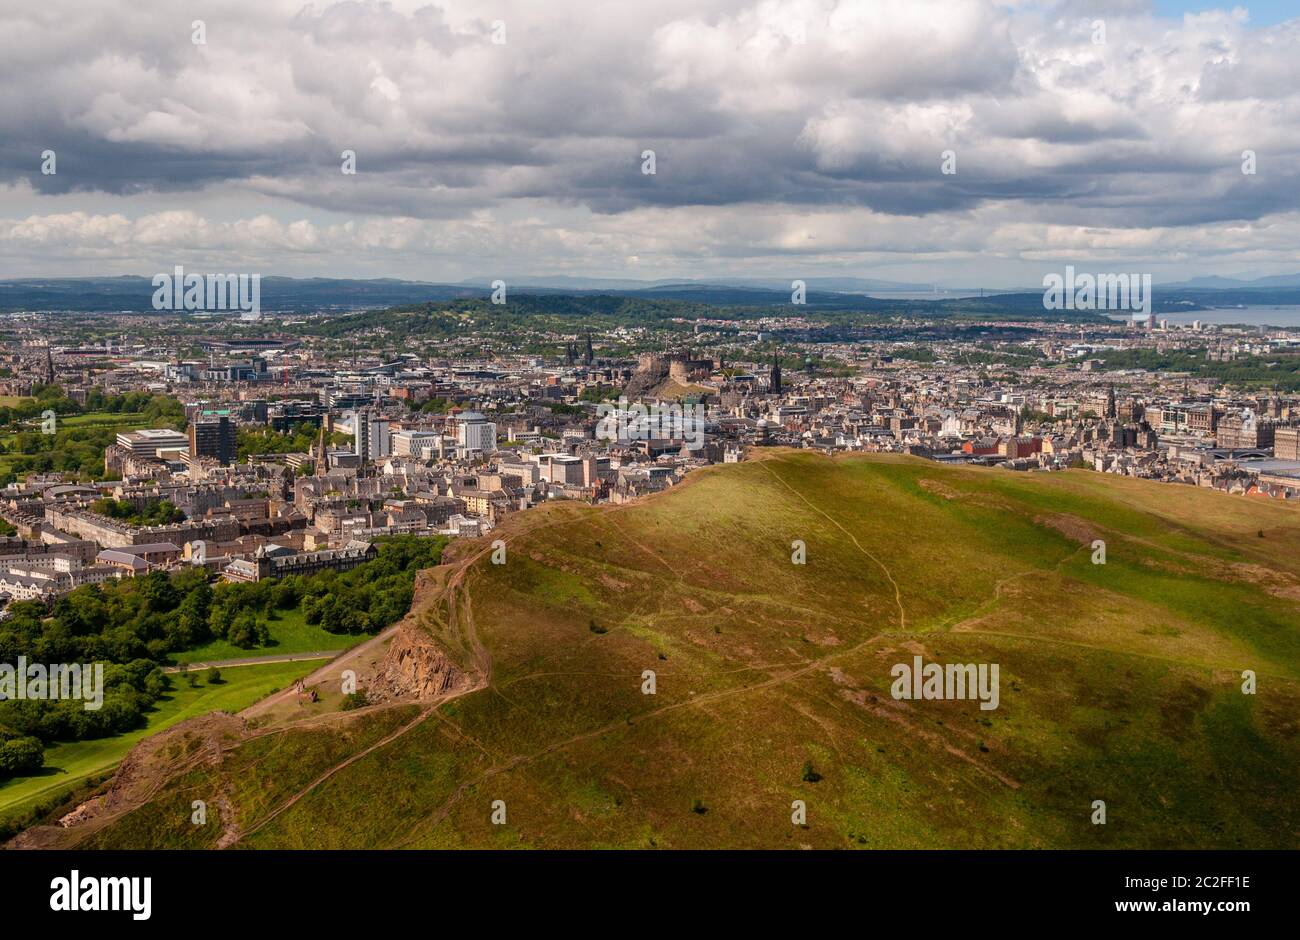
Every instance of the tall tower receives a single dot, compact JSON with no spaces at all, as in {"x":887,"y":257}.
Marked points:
{"x":49,"y":365}
{"x":776,"y":375}
{"x":589,"y":355}
{"x":322,"y":464}
{"x":322,"y":458}
{"x":1110,"y":402}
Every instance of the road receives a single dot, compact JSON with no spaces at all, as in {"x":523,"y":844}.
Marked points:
{"x":257,"y":660}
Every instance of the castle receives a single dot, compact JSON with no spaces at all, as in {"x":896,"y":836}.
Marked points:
{"x":678,"y":366}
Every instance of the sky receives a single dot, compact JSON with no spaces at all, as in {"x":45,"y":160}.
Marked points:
{"x":957,"y":142}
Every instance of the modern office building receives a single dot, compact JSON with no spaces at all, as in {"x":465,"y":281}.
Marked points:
{"x":214,"y":437}
{"x":372,"y":435}
{"x":150,"y":441}
{"x":475,"y":433}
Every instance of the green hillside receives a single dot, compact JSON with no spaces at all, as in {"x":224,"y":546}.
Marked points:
{"x":1119,"y":682}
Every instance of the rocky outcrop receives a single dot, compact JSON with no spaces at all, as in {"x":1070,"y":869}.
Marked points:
{"x":652,"y":373}
{"x":416,"y":668}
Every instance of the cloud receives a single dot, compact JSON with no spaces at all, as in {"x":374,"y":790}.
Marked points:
{"x":824,"y":108}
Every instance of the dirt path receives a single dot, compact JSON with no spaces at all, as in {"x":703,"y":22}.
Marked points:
{"x":235,"y":839}
{"x":361,"y":649}
{"x":256,"y":660}
{"x":898,"y":594}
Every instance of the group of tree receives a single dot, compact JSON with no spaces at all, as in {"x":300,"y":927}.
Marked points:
{"x":153,"y":512}
{"x":27,"y":725}
{"x":373,"y":595}
{"x":297,"y":440}
{"x":1278,"y":371}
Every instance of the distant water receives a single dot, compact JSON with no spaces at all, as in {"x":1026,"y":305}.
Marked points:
{"x":940,"y":294}
{"x":1286,"y":316}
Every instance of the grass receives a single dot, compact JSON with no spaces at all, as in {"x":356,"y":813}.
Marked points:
{"x":290,"y":634}
{"x":1118,"y":682}
{"x":67,"y":764}
{"x":124,"y":420}
{"x":120,"y":421}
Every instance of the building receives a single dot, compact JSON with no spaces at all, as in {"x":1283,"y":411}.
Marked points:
{"x":139,"y":559}
{"x":1244,"y":432}
{"x":415,"y":443}
{"x":213,"y":437}
{"x":562,"y":469}
{"x":151,"y":442}
{"x":267,"y":565}
{"x":372,"y":436}
{"x":22,"y":588}
{"x":1286,"y":443}
{"x":475,"y":433}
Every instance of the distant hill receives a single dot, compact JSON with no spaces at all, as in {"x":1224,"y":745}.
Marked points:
{"x":1119,"y":681}
{"x":305,"y":295}
{"x":135,"y":294}
{"x":1231,"y":283}
{"x":837,"y":284}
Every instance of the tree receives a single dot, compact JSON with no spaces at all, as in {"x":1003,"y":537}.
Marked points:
{"x":21,"y":755}
{"x":213,"y":676}
{"x":245,"y":632}
{"x":156,"y":587}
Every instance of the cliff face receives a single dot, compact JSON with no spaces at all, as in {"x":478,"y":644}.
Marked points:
{"x":646,"y":378}
{"x":416,"y":668}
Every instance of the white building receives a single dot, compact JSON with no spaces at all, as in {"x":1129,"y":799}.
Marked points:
{"x":475,"y":433}
{"x":372,"y":436}
{"x":415,"y":443}
{"x":151,"y":441}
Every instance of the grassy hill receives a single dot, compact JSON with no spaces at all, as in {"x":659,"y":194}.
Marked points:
{"x":1119,"y":682}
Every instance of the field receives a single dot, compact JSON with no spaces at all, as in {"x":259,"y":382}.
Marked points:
{"x":117,"y":420}
{"x":1120,"y":682}
{"x":68,"y":764}
{"x":290,"y":633}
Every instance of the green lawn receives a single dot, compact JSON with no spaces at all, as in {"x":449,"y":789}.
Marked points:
{"x":290,"y":633}
{"x":68,"y":764}
{"x":126,"y":419}
{"x":120,"y":421}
